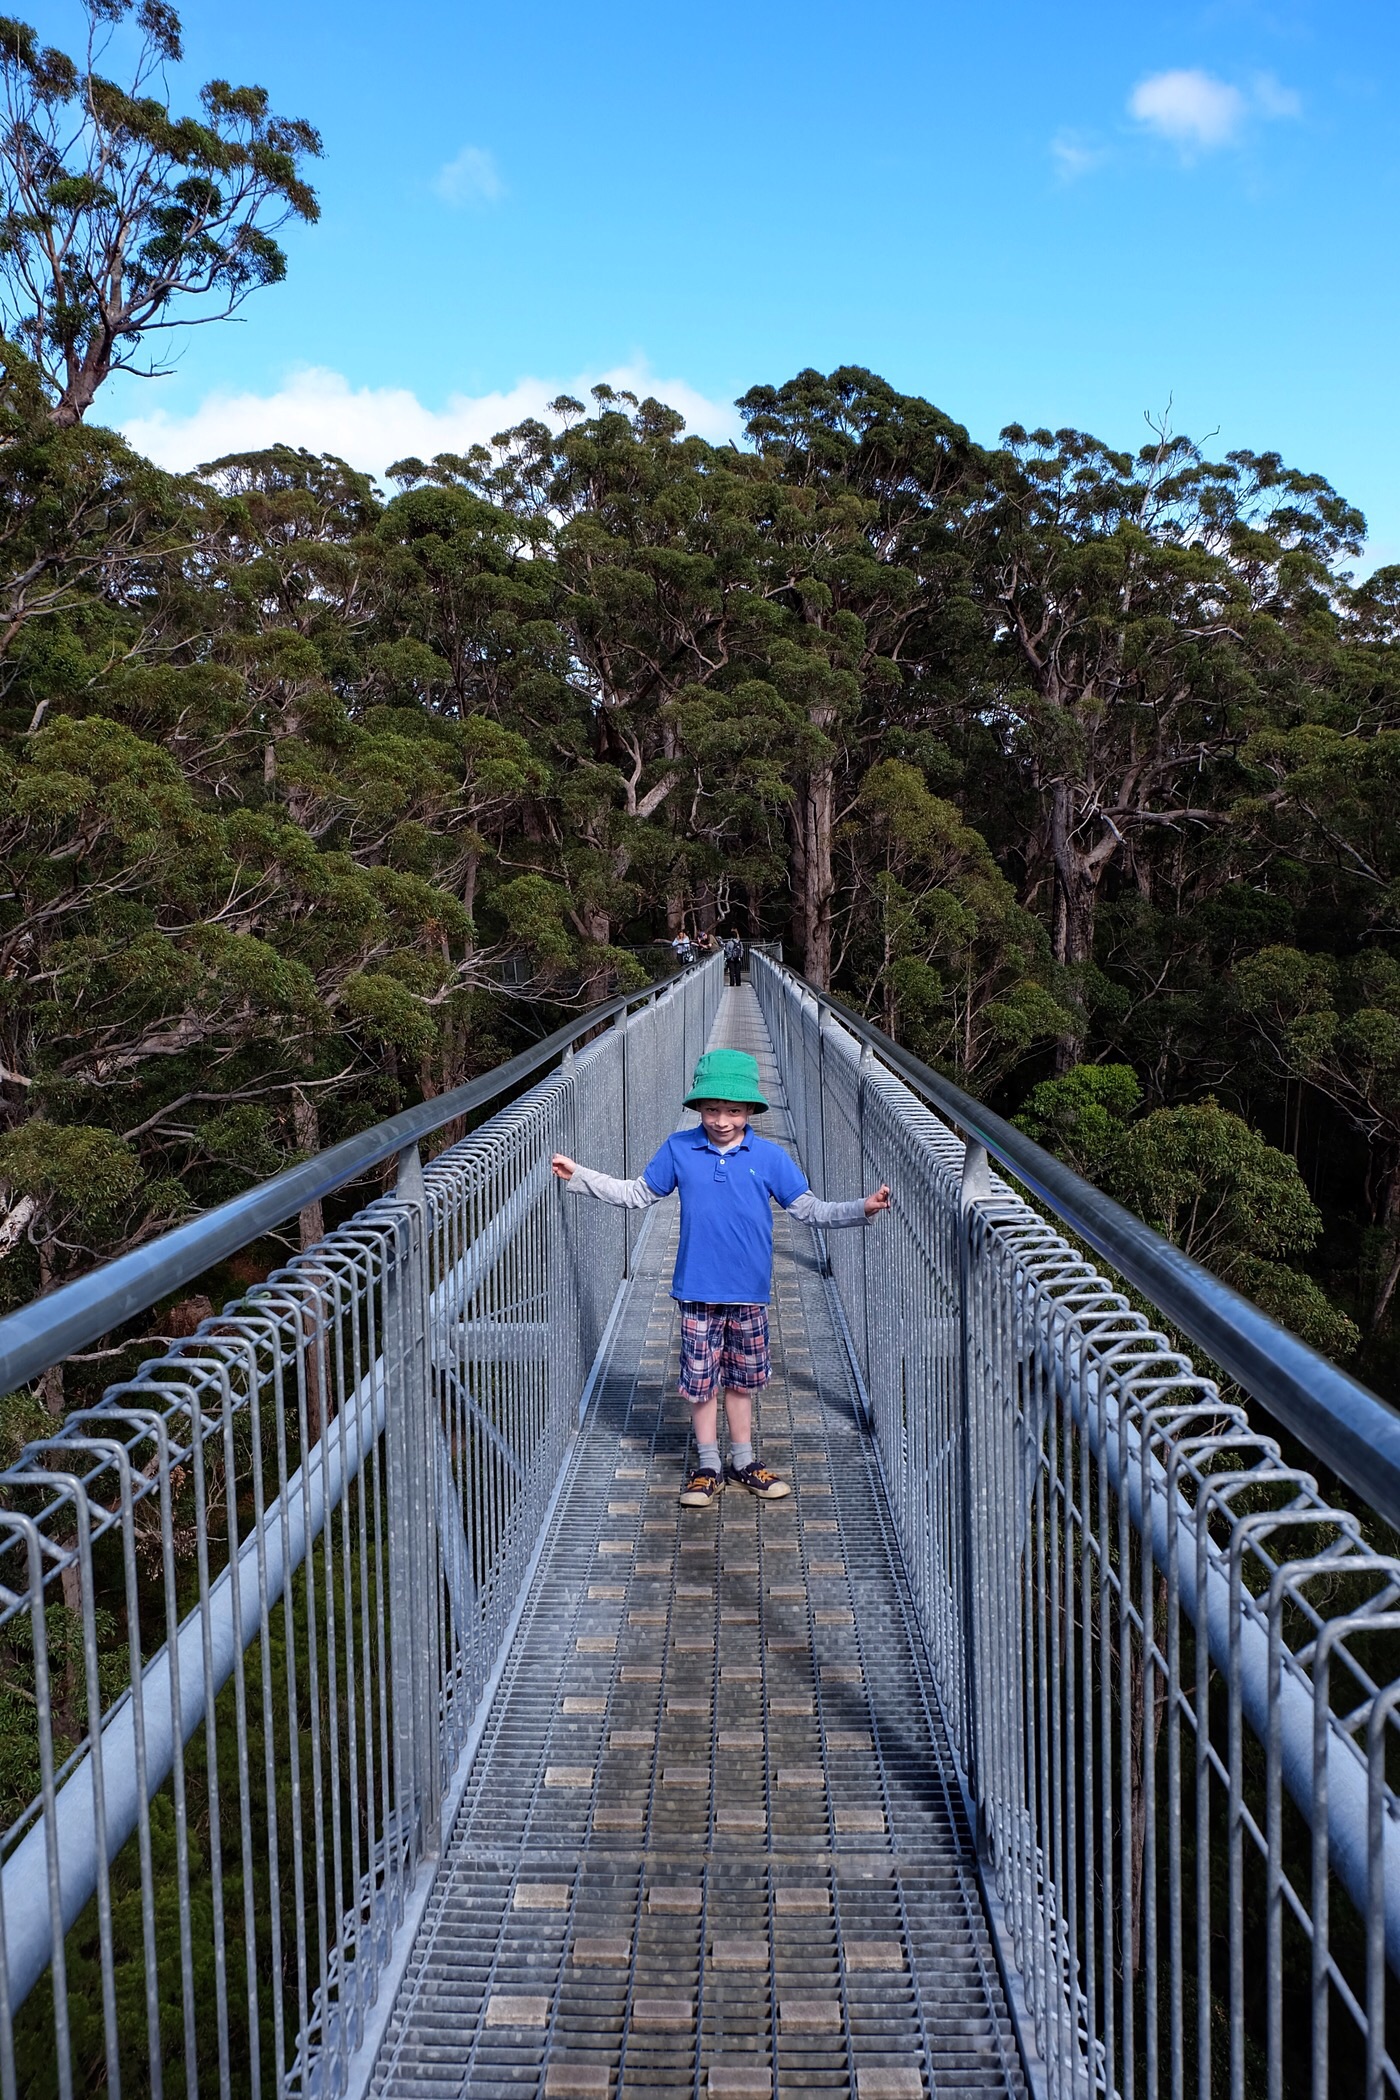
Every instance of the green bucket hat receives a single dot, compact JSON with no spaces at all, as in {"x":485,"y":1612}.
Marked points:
{"x":726,"y":1075}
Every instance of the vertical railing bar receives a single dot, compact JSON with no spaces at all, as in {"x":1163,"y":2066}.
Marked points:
{"x":347,"y":1385}
{"x":320,"y":1348}
{"x":975,"y":1189}
{"x":245,"y":1829}
{"x":28,"y":1530}
{"x":1175,"y":1922}
{"x":211,"y":1747}
{"x":1377,"y":2057}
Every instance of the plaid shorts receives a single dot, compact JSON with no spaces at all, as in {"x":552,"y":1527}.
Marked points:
{"x":723,"y":1345}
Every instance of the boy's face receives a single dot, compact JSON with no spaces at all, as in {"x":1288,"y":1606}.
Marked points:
{"x":723,"y":1122}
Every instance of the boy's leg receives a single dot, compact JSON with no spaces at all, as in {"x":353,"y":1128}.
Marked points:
{"x":702,"y":1337}
{"x":738,"y":1413}
{"x":747,"y":1370}
{"x":704,"y":1420}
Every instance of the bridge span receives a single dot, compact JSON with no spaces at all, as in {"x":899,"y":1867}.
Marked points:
{"x":714,"y":1830}
{"x":373,"y":1720}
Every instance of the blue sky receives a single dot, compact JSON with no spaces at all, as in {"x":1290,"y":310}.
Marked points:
{"x":1057,"y":211}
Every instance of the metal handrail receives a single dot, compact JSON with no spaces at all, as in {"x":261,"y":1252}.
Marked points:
{"x":292,"y":1549}
{"x":53,"y":1327}
{"x":1342,"y":1422}
{"x":1169,"y":1665}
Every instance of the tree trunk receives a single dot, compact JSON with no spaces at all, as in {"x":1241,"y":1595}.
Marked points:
{"x":311,"y":1224}
{"x":1076,"y":884}
{"x":1390,"y":1275}
{"x":469,"y":880}
{"x":798,"y":872}
{"x":306,"y":1126}
{"x":1076,"y":902}
{"x":814,"y":825}
{"x":1146,"y":1730}
{"x":597,"y":930}
{"x":16,"y":1223}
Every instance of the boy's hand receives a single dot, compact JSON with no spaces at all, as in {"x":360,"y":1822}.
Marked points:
{"x":563,"y":1166}
{"x":879,"y":1201}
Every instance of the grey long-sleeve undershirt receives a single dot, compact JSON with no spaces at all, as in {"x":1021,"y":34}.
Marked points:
{"x":640,"y":1195}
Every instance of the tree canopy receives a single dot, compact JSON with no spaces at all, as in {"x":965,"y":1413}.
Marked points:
{"x":1071,"y":765}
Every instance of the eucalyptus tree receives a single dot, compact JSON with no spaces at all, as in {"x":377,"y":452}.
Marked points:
{"x":644,"y":673}
{"x":1203,"y":1178}
{"x":1334,"y":1024}
{"x":119,"y":220}
{"x":181,"y":976}
{"x":230,"y":868}
{"x":80,"y":513}
{"x":865,"y":548}
{"x":1147,"y":605}
{"x":942,"y":952}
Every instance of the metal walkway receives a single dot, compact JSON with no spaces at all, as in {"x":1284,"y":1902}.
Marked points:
{"x":713,"y":1832}
{"x":381,"y":1732}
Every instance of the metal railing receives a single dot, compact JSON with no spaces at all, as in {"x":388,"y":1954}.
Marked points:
{"x":251,"y":1603}
{"x":1169,"y":1666}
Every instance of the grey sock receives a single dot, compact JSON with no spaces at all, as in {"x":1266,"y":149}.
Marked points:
{"x":707,"y":1457}
{"x":740,"y":1455}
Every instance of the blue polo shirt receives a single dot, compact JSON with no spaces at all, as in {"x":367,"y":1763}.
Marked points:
{"x":726,"y":1251}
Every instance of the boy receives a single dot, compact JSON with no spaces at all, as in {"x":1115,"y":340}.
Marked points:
{"x":727,"y":1177}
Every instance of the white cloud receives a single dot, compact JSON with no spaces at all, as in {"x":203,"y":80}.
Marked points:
{"x":1192,"y":109}
{"x":1198,"y":113}
{"x":1075,"y":155}
{"x":472,"y":178}
{"x":371,"y":427}
{"x":1273,"y":99}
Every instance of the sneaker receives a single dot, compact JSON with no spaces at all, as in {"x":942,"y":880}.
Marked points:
{"x":758,"y":1480}
{"x":701,"y":1488}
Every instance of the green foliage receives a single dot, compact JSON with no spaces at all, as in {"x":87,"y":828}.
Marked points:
{"x":387,"y":1011}
{"x":1200,"y":1175}
{"x":960,"y":970}
{"x":87,"y":1175}
{"x":1083,"y":1115}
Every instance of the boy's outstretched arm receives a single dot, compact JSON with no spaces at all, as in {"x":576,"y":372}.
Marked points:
{"x":811,"y":1210}
{"x":588,"y":1181}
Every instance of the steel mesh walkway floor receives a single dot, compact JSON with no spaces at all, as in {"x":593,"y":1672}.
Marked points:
{"x":712,"y":1839}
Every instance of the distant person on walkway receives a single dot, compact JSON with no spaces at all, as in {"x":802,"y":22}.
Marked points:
{"x":682,"y":950}
{"x":728,"y":1179}
{"x":733,"y":958}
